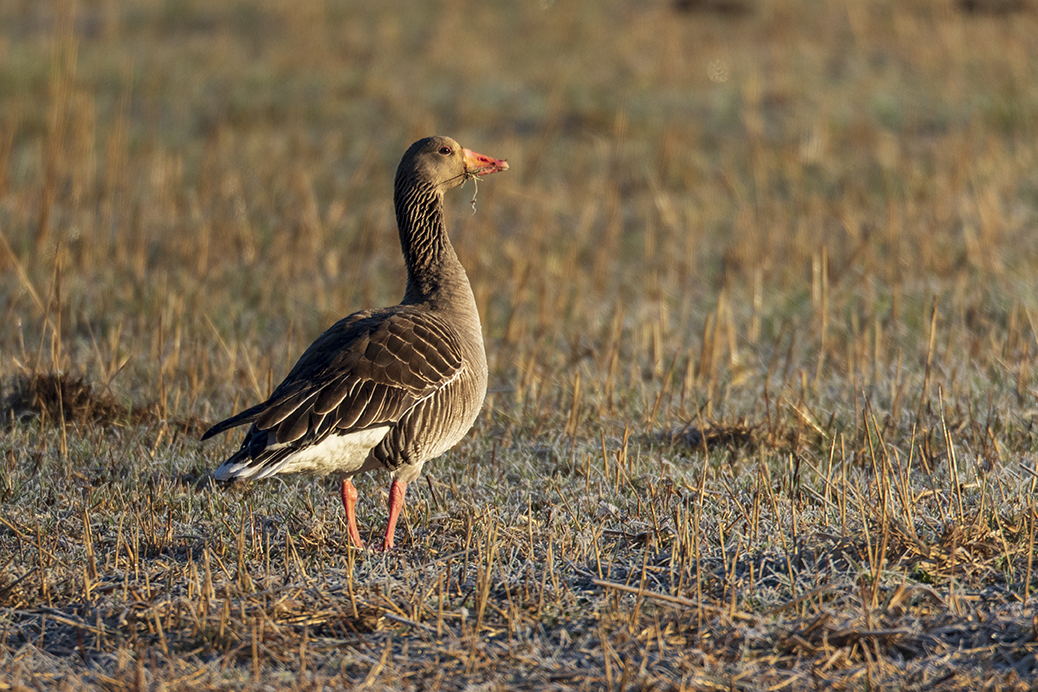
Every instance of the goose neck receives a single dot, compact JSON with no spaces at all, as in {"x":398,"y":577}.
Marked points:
{"x":432,"y":265}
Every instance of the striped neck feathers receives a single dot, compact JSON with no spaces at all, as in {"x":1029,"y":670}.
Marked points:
{"x":433,"y":269}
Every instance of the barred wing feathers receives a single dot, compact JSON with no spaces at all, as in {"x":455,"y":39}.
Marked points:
{"x":357,"y":381}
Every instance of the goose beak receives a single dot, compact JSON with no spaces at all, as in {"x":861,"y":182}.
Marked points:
{"x":478,"y":164}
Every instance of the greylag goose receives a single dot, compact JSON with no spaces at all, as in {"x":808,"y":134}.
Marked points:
{"x":387,"y":388}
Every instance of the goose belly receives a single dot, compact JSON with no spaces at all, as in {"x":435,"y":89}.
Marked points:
{"x":448,"y":416}
{"x":334,"y":454}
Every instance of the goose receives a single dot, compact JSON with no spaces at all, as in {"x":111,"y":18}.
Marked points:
{"x":390,"y":387}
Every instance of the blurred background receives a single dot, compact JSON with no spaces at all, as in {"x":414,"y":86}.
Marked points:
{"x":191,"y":190}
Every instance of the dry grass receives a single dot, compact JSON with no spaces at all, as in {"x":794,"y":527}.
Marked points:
{"x":760,"y":309}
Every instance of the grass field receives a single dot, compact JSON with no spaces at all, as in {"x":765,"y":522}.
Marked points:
{"x":760,"y":299}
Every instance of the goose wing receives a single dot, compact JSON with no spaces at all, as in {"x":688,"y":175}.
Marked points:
{"x":366,"y":371}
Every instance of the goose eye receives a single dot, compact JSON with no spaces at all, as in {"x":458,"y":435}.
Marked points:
{"x":446,"y":151}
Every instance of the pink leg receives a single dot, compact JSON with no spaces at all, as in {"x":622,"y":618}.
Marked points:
{"x":349,"y":501}
{"x":396,"y":502}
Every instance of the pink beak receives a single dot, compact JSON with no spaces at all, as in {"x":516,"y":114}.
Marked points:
{"x":478,"y":164}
